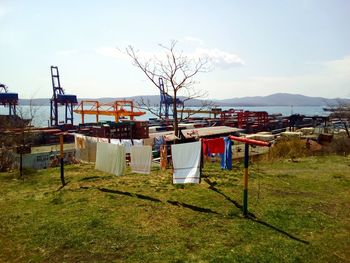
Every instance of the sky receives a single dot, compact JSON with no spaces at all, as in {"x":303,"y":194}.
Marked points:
{"x":256,"y":48}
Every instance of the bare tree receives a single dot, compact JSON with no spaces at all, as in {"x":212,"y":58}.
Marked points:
{"x":15,"y":131}
{"x":177,"y":70}
{"x":342,"y":112}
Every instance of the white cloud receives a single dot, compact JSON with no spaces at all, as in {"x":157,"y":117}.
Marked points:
{"x":219,"y":58}
{"x":195,"y":41}
{"x":340,"y":67}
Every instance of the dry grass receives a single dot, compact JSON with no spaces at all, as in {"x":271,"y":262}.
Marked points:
{"x":299,"y":212}
{"x":339,"y":145}
{"x":288,"y":148}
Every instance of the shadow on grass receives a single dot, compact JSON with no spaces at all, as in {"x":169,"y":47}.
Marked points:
{"x":251,"y":216}
{"x":89,"y":178}
{"x":277,"y":229}
{"x":61,"y":187}
{"x":145,"y":197}
{"x":192,"y":207}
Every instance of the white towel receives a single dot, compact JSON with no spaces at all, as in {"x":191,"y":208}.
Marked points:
{"x":80,"y":146}
{"x":127,"y":143}
{"x":91,"y":143}
{"x":110,"y":158}
{"x":85,"y":148}
{"x":186,"y":161}
{"x":141,"y":159}
{"x":79,"y":141}
{"x":102,"y":140}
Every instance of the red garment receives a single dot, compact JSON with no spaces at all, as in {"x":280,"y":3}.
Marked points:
{"x":213,"y":146}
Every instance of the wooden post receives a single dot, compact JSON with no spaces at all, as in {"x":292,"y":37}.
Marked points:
{"x":245,"y":191}
{"x":82,"y":112}
{"x":22,"y":149}
{"x":61,"y":159}
{"x":21,"y":164}
{"x":163,"y":157}
{"x":132,"y":109}
{"x":246,"y":165}
{"x":97,"y":114}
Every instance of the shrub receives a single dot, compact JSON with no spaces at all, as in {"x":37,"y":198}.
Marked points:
{"x":7,"y":160}
{"x":339,"y":145}
{"x":288,"y":148}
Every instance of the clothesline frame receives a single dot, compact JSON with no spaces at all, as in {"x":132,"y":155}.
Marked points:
{"x":247,"y":143}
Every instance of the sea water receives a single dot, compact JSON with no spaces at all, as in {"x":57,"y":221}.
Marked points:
{"x":41,"y":114}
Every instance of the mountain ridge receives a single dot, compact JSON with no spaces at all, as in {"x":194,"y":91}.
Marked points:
{"x":276,"y":99}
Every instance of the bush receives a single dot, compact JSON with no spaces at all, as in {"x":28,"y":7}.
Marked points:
{"x":288,"y":148}
{"x":339,"y":145}
{"x":7,"y":160}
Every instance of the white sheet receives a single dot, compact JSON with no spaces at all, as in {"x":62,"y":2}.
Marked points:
{"x":127,"y":143}
{"x":85,"y":148}
{"x":186,"y":161}
{"x":141,"y":159}
{"x":110,"y":158}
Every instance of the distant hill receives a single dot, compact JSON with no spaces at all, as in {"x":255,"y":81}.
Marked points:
{"x":284,"y":99}
{"x":151,"y":99}
{"x":277,"y":99}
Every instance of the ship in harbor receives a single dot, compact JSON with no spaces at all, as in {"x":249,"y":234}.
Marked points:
{"x":343,"y":108}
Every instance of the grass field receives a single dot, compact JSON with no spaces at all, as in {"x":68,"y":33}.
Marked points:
{"x":299,"y":212}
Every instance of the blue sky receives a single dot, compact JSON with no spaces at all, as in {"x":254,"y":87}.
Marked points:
{"x":258,"y":47}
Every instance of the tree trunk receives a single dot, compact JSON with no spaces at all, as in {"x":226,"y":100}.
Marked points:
{"x":176,"y":124}
{"x":346,"y":129}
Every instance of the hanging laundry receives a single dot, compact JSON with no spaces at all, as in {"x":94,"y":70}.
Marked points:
{"x":85,"y":148}
{"x":226,"y":157}
{"x":79,"y":141}
{"x":103,"y":140}
{"x":91,"y":143}
{"x":148,"y":141}
{"x":163,"y":157}
{"x":79,"y":145}
{"x":186,"y":161}
{"x":110,"y":158}
{"x":141,"y":159}
{"x":212,"y":146}
{"x":127,"y":143}
{"x":158,"y":141}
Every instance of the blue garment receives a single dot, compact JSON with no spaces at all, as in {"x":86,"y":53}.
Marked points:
{"x":158,"y":141}
{"x":226,"y":157}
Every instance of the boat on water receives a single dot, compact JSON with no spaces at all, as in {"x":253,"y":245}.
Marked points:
{"x":337,"y":108}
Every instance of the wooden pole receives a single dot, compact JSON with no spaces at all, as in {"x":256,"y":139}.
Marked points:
{"x":21,"y":164}
{"x":246,"y":165}
{"x":82,"y":112}
{"x":245,"y":191}
{"x":163,"y":157}
{"x":61,"y":160}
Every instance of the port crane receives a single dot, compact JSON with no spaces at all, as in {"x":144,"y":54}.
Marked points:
{"x":59,"y":98}
{"x":166,"y":101}
{"x":8,"y":99}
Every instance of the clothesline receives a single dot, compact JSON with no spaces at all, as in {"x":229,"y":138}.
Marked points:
{"x":186,"y":157}
{"x":109,"y":155}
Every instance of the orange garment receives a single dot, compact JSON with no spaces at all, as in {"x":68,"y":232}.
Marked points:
{"x":163,"y":157}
